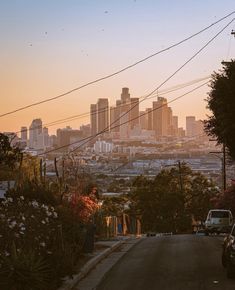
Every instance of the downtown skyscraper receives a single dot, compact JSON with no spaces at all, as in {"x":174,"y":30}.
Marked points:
{"x":99,"y":116}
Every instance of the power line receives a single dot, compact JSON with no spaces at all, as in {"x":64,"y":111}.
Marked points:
{"x":87,"y":139}
{"x":86,"y":114}
{"x":116,"y":72}
{"x":166,"y":80}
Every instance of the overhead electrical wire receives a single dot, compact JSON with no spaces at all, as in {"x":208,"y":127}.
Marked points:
{"x":167,"y":79}
{"x":88,"y":139}
{"x":116,"y":72}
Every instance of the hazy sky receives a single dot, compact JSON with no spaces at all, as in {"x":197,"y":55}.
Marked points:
{"x":51,"y":46}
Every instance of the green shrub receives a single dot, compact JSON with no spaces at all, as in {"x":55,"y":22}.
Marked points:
{"x":21,"y":270}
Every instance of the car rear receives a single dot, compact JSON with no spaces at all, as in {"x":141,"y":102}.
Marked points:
{"x":218,"y":221}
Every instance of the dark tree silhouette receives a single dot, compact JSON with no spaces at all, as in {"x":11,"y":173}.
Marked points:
{"x":226,"y":199}
{"x":9,"y":155}
{"x":221,"y":102}
{"x":170,"y":201}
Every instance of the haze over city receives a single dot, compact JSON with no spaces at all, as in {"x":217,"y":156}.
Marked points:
{"x":49,"y":48}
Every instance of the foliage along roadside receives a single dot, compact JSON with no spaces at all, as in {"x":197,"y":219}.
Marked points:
{"x":170,"y":201}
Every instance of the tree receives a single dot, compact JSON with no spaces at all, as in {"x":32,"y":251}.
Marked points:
{"x":172,"y":199}
{"x":114,"y":205}
{"x":226,"y":199}
{"x":9,"y":155}
{"x":221,"y":103}
{"x":10,"y":158}
{"x":200,"y":196}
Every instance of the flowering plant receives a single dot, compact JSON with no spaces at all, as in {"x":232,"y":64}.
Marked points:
{"x":84,"y":206}
{"x":27,"y":224}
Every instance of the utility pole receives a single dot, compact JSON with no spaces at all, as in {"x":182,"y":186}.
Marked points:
{"x":180,"y":177}
{"x":180,"y":173}
{"x":223,"y":163}
{"x":224,"y":167}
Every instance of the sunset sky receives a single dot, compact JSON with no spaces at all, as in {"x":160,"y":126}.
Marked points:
{"x":49,"y":47}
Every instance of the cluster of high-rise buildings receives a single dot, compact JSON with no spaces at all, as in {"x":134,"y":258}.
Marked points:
{"x":126,"y":121}
{"x":36,"y":137}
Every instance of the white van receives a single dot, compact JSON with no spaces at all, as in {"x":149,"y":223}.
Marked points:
{"x":218,"y":221}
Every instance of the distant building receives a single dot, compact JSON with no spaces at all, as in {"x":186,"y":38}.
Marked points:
{"x":115,"y":118}
{"x":139,"y":134}
{"x":39,"y":137}
{"x":143,"y":120}
{"x":35,"y":130}
{"x":181,"y":132}
{"x":103,"y":115}
{"x":125,"y":100}
{"x":175,"y":125}
{"x":125,"y":96}
{"x":103,"y":147}
{"x":190,"y":126}
{"x":53,"y":141}
{"x":45,"y":138}
{"x":93,"y":119}
{"x":124,"y":128}
{"x":199,"y":128}
{"x":160,"y":117}
{"x":149,"y":118}
{"x":86,"y":130}
{"x":169,"y":122}
{"x":24,"y":134}
{"x":134,"y":112}
{"x":65,"y":136}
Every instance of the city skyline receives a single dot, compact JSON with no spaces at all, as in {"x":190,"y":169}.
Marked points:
{"x":42,"y":59}
{"x":61,"y":123}
{"x":121,"y":122}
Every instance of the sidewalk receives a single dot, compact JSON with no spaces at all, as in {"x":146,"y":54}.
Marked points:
{"x":93,"y":271}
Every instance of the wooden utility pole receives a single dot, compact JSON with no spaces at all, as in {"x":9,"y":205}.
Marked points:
{"x":223,"y":159}
{"x":180,"y":177}
{"x":224,"y":167}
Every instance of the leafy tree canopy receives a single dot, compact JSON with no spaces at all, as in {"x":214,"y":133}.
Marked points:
{"x":226,"y":200}
{"x":9,"y":155}
{"x":221,"y":102}
{"x":170,"y":201}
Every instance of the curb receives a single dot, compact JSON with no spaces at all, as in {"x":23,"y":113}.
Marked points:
{"x":110,"y":268}
{"x":70,"y":283}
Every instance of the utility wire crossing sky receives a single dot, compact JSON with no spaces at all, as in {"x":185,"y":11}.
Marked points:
{"x":50,"y":46}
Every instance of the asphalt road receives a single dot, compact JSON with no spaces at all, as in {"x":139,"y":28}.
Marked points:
{"x":180,"y":262}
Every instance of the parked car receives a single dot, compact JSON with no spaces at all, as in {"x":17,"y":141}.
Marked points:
{"x":228,"y":254}
{"x":218,"y":221}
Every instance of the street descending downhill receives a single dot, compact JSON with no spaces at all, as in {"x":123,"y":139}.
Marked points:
{"x":177,"y":262}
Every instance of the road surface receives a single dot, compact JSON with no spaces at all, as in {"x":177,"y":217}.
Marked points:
{"x":177,"y":262}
